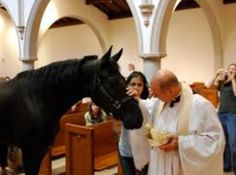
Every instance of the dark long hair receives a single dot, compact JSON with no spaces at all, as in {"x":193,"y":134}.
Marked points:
{"x":140,"y":75}
{"x":91,"y":112}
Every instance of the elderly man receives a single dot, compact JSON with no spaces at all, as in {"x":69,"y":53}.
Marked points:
{"x":194,"y":140}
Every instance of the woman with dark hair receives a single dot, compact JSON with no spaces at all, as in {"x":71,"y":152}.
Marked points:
{"x":225,"y":80}
{"x":138,"y":79}
{"x":94,"y":115}
{"x":133,"y":144}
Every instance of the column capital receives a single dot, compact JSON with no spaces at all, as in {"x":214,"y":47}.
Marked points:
{"x":28,"y":63}
{"x":31,"y":59}
{"x":152,"y":57}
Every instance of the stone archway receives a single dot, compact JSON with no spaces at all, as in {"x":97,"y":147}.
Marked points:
{"x":215,"y":32}
{"x":158,"y":44}
{"x":78,"y":10}
{"x":152,"y":38}
{"x":32,"y":29}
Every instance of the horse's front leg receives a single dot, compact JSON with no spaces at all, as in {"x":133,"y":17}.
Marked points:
{"x":32,"y":160}
{"x":3,"y":157}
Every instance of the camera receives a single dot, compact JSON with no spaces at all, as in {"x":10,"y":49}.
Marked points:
{"x":226,"y":75}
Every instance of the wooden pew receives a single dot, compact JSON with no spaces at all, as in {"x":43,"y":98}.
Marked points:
{"x":58,"y":149}
{"x":209,"y":93}
{"x":90,"y":148}
{"x":197,"y":86}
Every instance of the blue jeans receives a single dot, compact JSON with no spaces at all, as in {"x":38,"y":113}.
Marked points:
{"x":128,"y":167}
{"x":228,"y":121}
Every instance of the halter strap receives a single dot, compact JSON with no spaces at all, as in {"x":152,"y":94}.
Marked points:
{"x":116,"y":104}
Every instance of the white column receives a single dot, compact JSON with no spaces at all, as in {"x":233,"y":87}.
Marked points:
{"x":150,"y":66}
{"x":21,"y":22}
{"x":21,"y":12}
{"x":28,"y":64}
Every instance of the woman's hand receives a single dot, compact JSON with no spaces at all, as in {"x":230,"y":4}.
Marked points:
{"x":232,"y":75}
{"x":132,"y":92}
{"x":221,"y":73}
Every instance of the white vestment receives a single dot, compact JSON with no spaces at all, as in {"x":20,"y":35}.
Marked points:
{"x":200,"y":151}
{"x":134,"y":143}
{"x":138,"y":141}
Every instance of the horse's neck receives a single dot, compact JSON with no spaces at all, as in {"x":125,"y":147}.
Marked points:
{"x":72,"y":87}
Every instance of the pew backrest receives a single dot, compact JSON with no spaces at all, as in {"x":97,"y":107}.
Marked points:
{"x":90,"y":148}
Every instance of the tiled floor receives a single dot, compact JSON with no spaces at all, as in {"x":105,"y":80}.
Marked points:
{"x":58,"y":167}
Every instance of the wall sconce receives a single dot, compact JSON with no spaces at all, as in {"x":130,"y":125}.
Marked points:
{"x":21,"y":30}
{"x":146,"y":9}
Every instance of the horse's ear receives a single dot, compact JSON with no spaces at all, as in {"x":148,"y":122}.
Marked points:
{"x":116,"y":57}
{"x":107,"y":55}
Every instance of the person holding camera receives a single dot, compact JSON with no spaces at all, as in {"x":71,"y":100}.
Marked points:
{"x":225,"y":80}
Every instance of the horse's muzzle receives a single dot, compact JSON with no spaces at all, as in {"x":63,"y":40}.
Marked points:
{"x":133,"y":122}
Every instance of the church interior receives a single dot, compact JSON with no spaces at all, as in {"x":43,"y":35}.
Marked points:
{"x":192,"y":38}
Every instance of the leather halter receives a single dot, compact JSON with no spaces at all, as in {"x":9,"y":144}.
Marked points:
{"x":115,"y":104}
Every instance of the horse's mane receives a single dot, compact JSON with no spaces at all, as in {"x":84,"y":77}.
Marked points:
{"x":49,"y":74}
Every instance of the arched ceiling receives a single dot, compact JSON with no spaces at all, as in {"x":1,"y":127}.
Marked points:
{"x":112,"y":8}
{"x":116,"y":9}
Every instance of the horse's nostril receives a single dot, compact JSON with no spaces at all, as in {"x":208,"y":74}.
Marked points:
{"x":139,"y":124}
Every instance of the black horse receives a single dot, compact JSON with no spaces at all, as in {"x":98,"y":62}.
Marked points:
{"x":32,"y":103}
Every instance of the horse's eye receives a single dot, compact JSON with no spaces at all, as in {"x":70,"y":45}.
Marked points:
{"x":123,"y":80}
{"x":114,"y":81}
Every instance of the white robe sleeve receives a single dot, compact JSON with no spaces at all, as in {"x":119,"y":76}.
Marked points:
{"x":139,"y":142}
{"x":205,"y":143}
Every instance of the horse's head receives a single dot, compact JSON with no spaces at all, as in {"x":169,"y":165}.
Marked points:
{"x":110,"y":92}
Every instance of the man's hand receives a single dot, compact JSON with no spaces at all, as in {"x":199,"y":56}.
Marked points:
{"x":172,"y":145}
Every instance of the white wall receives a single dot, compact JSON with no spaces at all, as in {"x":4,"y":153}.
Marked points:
{"x":79,"y":40}
{"x":9,"y":62}
{"x":123,"y":35}
{"x":67,"y":42}
{"x":229,"y":42}
{"x":189,"y":46}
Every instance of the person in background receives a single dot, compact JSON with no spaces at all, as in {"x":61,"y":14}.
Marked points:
{"x":131,"y":67}
{"x":225,"y":80}
{"x":94,"y":115}
{"x":189,"y":138}
{"x":134,"y":149}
